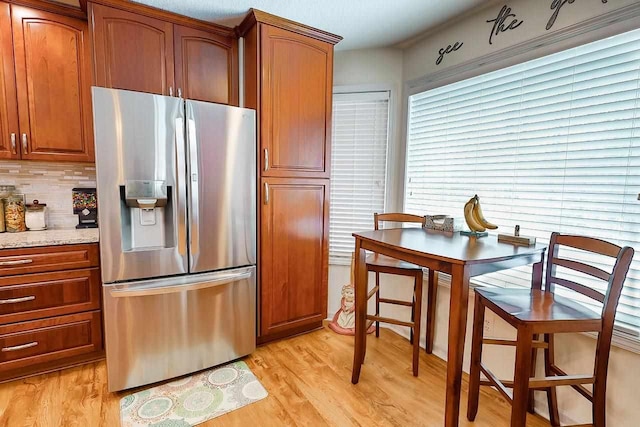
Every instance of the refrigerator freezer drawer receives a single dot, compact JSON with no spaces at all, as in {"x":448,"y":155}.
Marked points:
{"x":160,"y":329}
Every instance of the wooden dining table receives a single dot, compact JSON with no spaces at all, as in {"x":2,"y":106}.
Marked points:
{"x":462,"y":257}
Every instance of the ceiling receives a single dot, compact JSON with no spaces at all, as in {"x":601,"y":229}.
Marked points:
{"x":362,"y":23}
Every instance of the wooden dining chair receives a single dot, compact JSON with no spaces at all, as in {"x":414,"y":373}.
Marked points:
{"x":541,"y":312}
{"x":380,"y":264}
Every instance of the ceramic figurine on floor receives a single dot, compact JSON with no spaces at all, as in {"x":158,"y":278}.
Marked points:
{"x":344,"y":321}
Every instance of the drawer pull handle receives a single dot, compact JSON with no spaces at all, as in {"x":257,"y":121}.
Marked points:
{"x":16,"y":262}
{"x":20,"y":347}
{"x":17,"y":300}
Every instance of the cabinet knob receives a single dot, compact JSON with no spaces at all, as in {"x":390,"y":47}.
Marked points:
{"x":13,"y":144}
{"x":25,"y":146}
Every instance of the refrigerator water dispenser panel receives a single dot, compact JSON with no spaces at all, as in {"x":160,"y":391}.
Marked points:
{"x":145,"y":201}
{"x":145,"y":195}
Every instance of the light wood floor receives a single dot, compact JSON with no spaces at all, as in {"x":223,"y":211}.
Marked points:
{"x":308,"y":380}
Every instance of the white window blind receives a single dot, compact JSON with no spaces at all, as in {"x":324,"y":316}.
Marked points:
{"x":358,"y":166}
{"x":552,"y":144}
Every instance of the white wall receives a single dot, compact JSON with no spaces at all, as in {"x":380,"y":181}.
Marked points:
{"x":414,"y":66}
{"x":473,"y":31}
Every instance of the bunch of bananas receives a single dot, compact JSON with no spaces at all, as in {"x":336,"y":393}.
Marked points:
{"x":474,"y":217}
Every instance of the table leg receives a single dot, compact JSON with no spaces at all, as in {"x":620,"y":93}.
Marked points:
{"x":536,"y":283}
{"x":458,"y":306}
{"x":431,"y":310}
{"x":536,"y":276}
{"x":360,"y":286}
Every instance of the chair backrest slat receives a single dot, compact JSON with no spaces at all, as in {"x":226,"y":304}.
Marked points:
{"x":582,"y":267}
{"x":585,"y":290}
{"x":397,"y":217}
{"x":614,"y":280}
{"x":589,"y":244}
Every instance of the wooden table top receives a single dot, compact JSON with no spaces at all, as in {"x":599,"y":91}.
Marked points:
{"x":445,"y":246}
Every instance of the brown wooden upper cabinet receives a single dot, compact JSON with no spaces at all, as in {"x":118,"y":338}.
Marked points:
{"x":296,"y":104}
{"x":46,"y":74}
{"x":8,"y":109}
{"x":53,"y":78}
{"x":132,"y":52}
{"x":137,"y":52}
{"x":206,"y":65}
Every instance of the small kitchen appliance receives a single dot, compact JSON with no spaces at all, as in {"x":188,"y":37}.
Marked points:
{"x":85,"y":206}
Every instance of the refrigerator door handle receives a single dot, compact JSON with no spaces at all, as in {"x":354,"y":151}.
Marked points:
{"x":181,"y":189}
{"x":171,"y":289}
{"x":193,"y":171}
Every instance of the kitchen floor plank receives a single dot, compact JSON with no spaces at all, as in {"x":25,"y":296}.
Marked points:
{"x":309,"y":383}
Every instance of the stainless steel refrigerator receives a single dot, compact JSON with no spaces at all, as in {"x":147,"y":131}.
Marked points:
{"x":176,"y":200}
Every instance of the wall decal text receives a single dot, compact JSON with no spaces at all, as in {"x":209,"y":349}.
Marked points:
{"x":556,"y":6}
{"x":499,"y":23}
{"x":446,"y":50}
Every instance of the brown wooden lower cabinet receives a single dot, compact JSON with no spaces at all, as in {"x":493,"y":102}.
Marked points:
{"x":294,"y":239}
{"x":48,"y":258}
{"x":35,"y":296}
{"x":28,"y":343}
{"x":50,"y":309}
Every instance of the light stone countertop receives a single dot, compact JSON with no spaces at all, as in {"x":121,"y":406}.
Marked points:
{"x":51,"y":237}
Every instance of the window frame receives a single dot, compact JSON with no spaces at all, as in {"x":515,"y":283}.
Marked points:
{"x":393,"y":173}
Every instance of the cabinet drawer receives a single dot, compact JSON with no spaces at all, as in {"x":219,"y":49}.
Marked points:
{"x":47,"y":258}
{"x":48,"y":340}
{"x":35,"y":296}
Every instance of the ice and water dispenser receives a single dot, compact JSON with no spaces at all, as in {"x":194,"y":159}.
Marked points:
{"x":146,"y":215}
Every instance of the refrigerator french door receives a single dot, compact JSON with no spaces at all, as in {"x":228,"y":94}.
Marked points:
{"x":176,"y":199}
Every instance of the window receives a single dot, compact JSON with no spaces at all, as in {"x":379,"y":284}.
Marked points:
{"x":358,"y":166}
{"x":552,"y":144}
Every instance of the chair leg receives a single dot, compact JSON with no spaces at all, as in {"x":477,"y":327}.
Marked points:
{"x":413,"y":310}
{"x":378,"y":303}
{"x":600,"y":385}
{"x":534,"y":357}
{"x":599,"y":405}
{"x":552,"y":399}
{"x":432,"y":289}
{"x":522,"y":376}
{"x":416,"y":321}
{"x":476,"y":358}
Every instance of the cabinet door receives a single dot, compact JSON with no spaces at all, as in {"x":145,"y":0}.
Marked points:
{"x":206,"y":65}
{"x":296,"y":104}
{"x":294,"y":255}
{"x":53,"y":81}
{"x":8,"y":111}
{"x":132,"y":52}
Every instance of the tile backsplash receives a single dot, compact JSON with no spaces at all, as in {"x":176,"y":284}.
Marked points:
{"x":49,"y":183}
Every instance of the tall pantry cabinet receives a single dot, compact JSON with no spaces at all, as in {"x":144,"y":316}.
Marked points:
{"x":288,"y":72}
